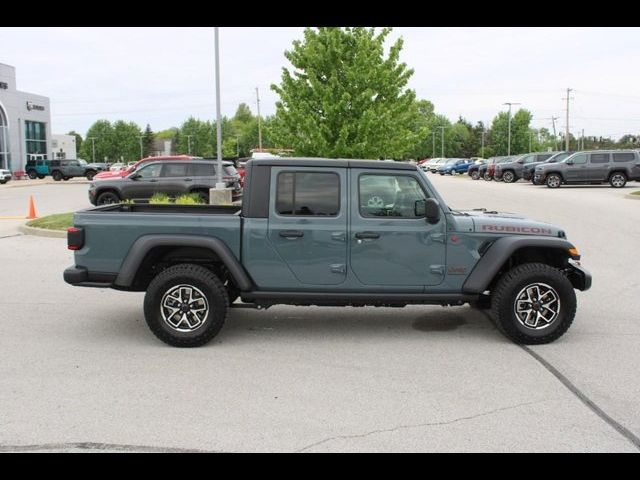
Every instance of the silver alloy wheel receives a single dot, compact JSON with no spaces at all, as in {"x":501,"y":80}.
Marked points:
{"x":618,"y":180}
{"x":184,"y":308}
{"x":553,"y":181}
{"x":537,"y":306}
{"x":475,"y":175}
{"x":507,"y":177}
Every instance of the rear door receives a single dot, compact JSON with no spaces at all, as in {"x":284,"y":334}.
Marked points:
{"x":308,"y":222}
{"x":174,"y":179}
{"x":598,"y":167}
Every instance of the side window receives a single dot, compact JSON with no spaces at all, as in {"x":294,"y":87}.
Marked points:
{"x":624,"y":157}
{"x":389,"y":195}
{"x":173,"y":170}
{"x":202,"y":170}
{"x":543,"y":157}
{"x":150,"y":171}
{"x":528,"y":159}
{"x":308,"y":194}
{"x":599,"y":158}
{"x":579,"y":159}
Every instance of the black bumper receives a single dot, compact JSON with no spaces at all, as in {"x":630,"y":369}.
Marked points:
{"x":579,"y":277}
{"x":81,"y":277}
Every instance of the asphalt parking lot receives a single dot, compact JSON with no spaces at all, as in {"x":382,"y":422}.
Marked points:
{"x":79,"y":369}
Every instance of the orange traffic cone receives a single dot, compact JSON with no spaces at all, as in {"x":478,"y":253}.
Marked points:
{"x":32,"y":209}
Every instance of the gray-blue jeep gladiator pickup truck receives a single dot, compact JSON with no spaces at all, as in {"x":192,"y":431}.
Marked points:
{"x":334,"y":233}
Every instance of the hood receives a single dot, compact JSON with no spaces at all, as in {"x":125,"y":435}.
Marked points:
{"x":110,"y":174}
{"x":511,"y":223}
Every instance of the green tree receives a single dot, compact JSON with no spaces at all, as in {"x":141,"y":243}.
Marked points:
{"x":100,"y":135}
{"x":520,"y":122}
{"x":243,"y":114}
{"x":344,"y":98}
{"x":126,"y":141}
{"x":78,"y":141}
{"x":147,"y":141}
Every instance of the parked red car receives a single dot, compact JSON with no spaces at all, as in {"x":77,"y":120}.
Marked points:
{"x":124,"y":172}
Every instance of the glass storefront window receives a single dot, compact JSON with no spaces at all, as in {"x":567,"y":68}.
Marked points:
{"x":36,"y":138}
{"x":4,"y":141}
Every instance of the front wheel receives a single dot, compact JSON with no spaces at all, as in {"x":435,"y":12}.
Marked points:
{"x":554,"y":180}
{"x":90,"y":174}
{"x":475,"y":175}
{"x":185,"y":305}
{"x":32,"y":175}
{"x":508,"y":177}
{"x":487,"y":177}
{"x":107,"y":198}
{"x":57,"y":176}
{"x":533,"y":303}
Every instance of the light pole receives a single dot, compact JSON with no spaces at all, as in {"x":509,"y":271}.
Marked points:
{"x":259,"y":125}
{"x":141,"y":153}
{"x":442,"y":127}
{"x":93,"y":147}
{"x":482,"y":147}
{"x":433,"y":147}
{"x":509,"y":141}
{"x":237,"y":146}
{"x":189,"y":143}
{"x":219,"y":184}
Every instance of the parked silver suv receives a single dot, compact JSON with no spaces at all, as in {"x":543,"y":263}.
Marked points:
{"x":5,"y":176}
{"x":591,"y":167}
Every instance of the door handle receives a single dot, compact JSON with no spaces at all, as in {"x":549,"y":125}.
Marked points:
{"x":188,"y":179}
{"x":367,"y":235}
{"x":291,"y":233}
{"x":153,"y":181}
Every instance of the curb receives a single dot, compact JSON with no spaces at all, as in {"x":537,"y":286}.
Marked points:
{"x":42,"y":232}
{"x":45,"y":182}
{"x":633,"y":197}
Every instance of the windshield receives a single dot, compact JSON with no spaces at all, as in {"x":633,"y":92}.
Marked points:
{"x":557,"y":157}
{"x":451,"y":162}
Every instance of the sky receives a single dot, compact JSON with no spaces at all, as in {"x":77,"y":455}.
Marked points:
{"x":161,"y":76}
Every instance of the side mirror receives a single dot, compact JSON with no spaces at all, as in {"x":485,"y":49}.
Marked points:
{"x":520,"y":162}
{"x":429,"y":208}
{"x":569,"y":162}
{"x":135,"y":176}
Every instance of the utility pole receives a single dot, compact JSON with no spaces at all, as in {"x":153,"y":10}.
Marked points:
{"x":189,"y":143}
{"x":433,"y":147}
{"x":259,"y":125}
{"x":582,"y":141}
{"x":555,"y":137}
{"x":566,"y":135}
{"x":219,"y":183}
{"x":509,"y":140}
{"x":442,"y":127}
{"x":237,"y":146}
{"x":482,"y":147}
{"x":93,"y":147}
{"x":140,"y":137}
{"x":530,"y":134}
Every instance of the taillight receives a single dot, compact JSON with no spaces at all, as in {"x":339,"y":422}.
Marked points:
{"x":75,"y":238}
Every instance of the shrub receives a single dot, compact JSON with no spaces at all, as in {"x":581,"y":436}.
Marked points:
{"x":189,"y":199}
{"x":160,"y":199}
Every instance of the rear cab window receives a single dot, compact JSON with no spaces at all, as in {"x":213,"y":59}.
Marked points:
{"x":308,"y":194}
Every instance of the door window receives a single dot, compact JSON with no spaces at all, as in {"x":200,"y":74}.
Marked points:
{"x":150,"y":171}
{"x":308,"y":194}
{"x":624,"y":157}
{"x":599,"y":158}
{"x":579,"y":159}
{"x":175,"y":170}
{"x":389,"y":196}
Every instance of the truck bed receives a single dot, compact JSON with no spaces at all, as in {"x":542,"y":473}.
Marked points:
{"x":111,"y":230}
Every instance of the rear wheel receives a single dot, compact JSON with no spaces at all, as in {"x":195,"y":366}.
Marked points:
{"x":487,"y":177}
{"x":554,"y":180}
{"x":533,"y":303}
{"x":32,"y":174}
{"x":475,"y":175}
{"x":57,"y":176}
{"x":618,"y":180}
{"x":107,"y":198}
{"x":185,"y":305}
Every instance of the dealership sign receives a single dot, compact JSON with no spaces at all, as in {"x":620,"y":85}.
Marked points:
{"x":33,"y":106}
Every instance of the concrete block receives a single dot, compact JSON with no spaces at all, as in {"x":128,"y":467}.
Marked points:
{"x":220,"y":196}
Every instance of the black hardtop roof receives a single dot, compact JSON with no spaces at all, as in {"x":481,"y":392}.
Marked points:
{"x":329,"y":162}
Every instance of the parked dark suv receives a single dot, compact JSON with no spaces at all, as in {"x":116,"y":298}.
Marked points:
{"x":592,"y":167}
{"x":172,"y":178}
{"x":529,"y":170}
{"x":513,"y":170}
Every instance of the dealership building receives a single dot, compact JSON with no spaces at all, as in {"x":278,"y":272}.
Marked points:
{"x":25,"y":123}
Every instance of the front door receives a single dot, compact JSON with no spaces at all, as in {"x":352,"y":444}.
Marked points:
{"x":145,"y":183}
{"x":577,"y":172}
{"x":308,"y":222}
{"x":390,"y":245}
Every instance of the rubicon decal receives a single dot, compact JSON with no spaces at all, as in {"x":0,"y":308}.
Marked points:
{"x":512,"y":229}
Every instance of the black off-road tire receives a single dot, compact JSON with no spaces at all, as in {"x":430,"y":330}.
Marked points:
{"x":56,"y":175}
{"x":41,"y":177}
{"x":90,"y":174}
{"x":32,"y":174}
{"x":194,"y":276}
{"x":505,"y":293}
{"x":487,"y":177}
{"x":475,"y":175}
